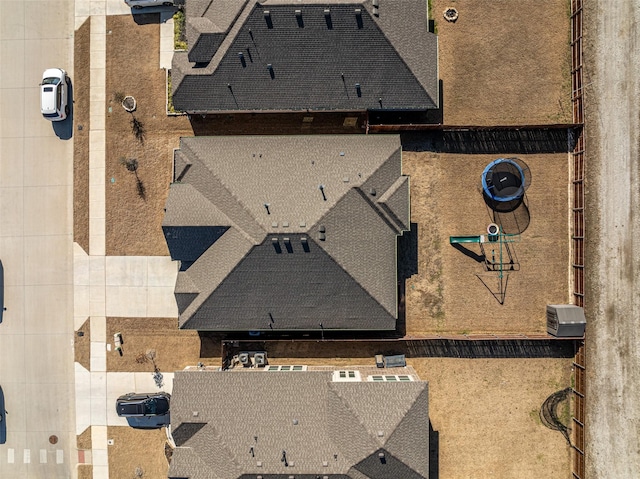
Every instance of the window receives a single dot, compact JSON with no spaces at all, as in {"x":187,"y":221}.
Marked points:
{"x":346,"y":375}
{"x":286,"y":368}
{"x":389,"y":378}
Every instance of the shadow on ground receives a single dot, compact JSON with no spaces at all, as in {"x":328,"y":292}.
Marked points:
{"x":491,"y":141}
{"x":412,"y":348}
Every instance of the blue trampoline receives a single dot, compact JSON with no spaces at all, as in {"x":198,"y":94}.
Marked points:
{"x":505,"y":180}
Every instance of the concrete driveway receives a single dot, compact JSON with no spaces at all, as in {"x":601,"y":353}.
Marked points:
{"x":36,"y":333}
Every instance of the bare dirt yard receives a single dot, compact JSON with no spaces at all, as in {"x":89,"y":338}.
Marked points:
{"x":81,"y":128}
{"x":134,"y":210}
{"x":451,"y":292}
{"x":137,"y":453}
{"x":174,"y":348}
{"x":505,"y":62}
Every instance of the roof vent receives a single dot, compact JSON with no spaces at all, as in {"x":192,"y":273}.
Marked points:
{"x":285,"y":224}
{"x":287,"y":244}
{"x":358,"y":90}
{"x":295,"y":422}
{"x":303,"y":224}
{"x":305,"y":244}
{"x":195,"y":413}
{"x":321,"y":188}
{"x":322,"y":236}
{"x":359,"y":18}
{"x":322,"y":229}
{"x":271,"y":73}
{"x":267,"y":18}
{"x":266,"y":207}
{"x":325,"y":464}
{"x":276,"y":245}
{"x":274,"y":224}
{"x":380,"y":433}
{"x":327,"y":18}
{"x":372,"y":192}
{"x":242,"y":60}
{"x":259,"y":463}
{"x":345,"y":179}
{"x":299,"y":19}
{"x":376,"y":6}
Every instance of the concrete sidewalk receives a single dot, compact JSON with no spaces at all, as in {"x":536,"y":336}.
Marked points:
{"x":112,"y":286}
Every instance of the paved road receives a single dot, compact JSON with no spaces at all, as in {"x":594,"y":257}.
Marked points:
{"x":36,"y":361}
{"x":613,"y":287}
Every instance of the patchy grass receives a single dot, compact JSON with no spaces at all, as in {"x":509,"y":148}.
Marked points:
{"x":135,"y":202}
{"x":175,"y":348}
{"x":137,"y":450}
{"x":503,"y":64}
{"x":486,"y":414}
{"x":81,"y":128}
{"x":84,"y":439}
{"x":450,"y":292}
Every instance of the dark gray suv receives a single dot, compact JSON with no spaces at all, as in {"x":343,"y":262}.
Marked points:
{"x":143,"y":404}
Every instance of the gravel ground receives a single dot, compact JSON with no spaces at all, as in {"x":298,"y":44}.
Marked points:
{"x":613,"y":303}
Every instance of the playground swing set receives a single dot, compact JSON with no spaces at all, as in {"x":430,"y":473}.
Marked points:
{"x":504,"y":182}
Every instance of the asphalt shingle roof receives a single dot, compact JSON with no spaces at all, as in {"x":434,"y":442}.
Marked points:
{"x":239,"y":423}
{"x":333,"y":55}
{"x":311,"y":256}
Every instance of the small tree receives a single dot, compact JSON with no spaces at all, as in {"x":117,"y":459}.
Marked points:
{"x":131,"y":164}
{"x":138,"y":129}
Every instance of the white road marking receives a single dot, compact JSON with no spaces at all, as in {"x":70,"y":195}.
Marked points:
{"x":26,"y":456}
{"x":43,"y":456}
{"x":10,"y":455}
{"x":59,"y":456}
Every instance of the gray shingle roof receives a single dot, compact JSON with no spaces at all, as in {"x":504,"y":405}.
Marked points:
{"x":245,"y":419}
{"x":312,"y":256}
{"x":317,"y":59}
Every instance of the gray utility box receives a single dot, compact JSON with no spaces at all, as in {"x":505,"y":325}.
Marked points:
{"x":396,"y":361}
{"x":565,"y":320}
